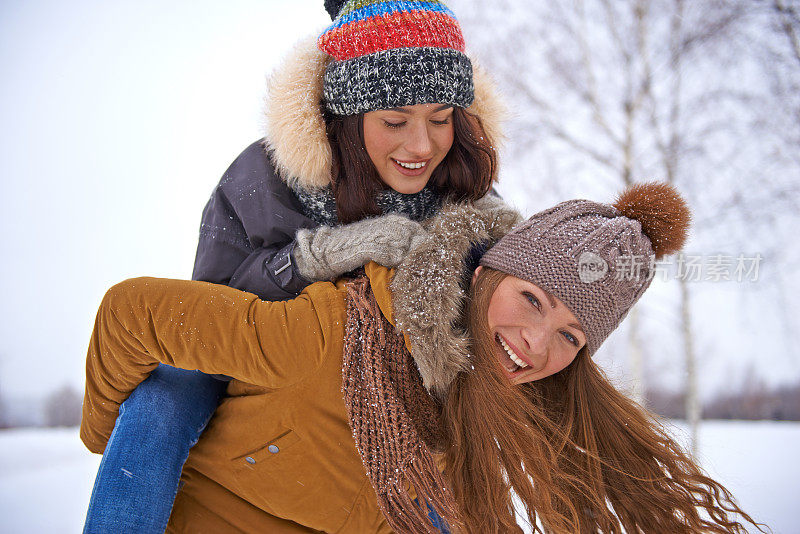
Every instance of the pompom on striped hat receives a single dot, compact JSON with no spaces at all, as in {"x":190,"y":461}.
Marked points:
{"x":389,"y":54}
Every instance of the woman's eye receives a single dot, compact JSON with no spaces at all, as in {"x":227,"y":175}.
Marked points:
{"x":533,"y":300}
{"x":572,"y":339}
{"x":394,"y":124}
{"x":442,"y":122}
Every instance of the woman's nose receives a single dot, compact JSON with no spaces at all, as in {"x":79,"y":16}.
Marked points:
{"x":419,"y":142}
{"x":535,"y":343}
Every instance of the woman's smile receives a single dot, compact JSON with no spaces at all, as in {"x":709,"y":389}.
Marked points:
{"x":411,"y":168}
{"x":509,"y":358}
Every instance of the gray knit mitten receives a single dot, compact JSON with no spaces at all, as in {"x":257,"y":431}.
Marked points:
{"x":325,"y":253}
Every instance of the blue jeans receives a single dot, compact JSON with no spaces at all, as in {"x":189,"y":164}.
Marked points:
{"x":141,"y":466}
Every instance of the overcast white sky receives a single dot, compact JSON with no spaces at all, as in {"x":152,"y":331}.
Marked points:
{"x":116,"y":121}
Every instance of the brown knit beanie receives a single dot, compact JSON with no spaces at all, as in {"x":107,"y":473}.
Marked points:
{"x":596,"y":258}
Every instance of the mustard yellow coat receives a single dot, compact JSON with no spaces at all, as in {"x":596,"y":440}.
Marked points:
{"x":278,"y":455}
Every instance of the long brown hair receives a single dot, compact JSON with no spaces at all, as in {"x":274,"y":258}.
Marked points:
{"x":581,"y":456}
{"x":466,"y":173}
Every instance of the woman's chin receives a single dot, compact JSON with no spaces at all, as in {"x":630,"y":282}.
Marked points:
{"x":405,"y":185}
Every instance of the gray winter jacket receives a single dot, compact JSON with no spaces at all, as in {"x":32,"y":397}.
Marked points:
{"x":247,"y":231}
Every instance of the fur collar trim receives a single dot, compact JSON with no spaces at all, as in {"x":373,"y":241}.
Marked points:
{"x":427,"y":297}
{"x":294,"y":127}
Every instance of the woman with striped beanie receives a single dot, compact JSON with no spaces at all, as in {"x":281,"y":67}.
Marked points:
{"x":382,"y":113}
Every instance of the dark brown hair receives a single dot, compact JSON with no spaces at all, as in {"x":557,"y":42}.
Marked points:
{"x":581,"y":456}
{"x":466,"y":173}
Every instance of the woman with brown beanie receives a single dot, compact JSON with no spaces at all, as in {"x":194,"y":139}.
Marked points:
{"x":403,"y":370}
{"x":381,"y":114}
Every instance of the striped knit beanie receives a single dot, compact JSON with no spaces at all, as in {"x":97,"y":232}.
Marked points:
{"x":389,"y":54}
{"x":598,"y":259}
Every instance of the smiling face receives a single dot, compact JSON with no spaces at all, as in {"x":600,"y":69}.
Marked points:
{"x":406,"y":144}
{"x":534,"y":333}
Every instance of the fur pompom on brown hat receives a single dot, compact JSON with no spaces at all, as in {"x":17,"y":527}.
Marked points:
{"x":661,"y":211}
{"x":598,"y":259}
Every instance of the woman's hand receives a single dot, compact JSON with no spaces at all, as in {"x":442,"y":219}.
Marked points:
{"x":325,"y":253}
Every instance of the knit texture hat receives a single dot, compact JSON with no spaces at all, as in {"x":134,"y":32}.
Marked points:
{"x":598,"y":259}
{"x":390,"y":54}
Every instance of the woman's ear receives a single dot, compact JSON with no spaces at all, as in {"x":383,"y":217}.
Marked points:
{"x":478,"y":269}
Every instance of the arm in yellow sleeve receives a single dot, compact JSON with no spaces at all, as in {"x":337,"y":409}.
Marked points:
{"x":196,"y":325}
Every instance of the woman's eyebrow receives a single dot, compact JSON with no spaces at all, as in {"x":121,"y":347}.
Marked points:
{"x":577,"y":327}
{"x":550,"y":298}
{"x":553,"y":304}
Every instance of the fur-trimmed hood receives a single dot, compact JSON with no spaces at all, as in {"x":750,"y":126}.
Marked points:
{"x":427,"y":297}
{"x":295,"y":130}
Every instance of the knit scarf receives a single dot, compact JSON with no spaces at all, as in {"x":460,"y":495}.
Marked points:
{"x":320,"y":206}
{"x":395,"y":422}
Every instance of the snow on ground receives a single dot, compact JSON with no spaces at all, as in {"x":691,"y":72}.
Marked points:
{"x":758,"y":462}
{"x":46,"y":478}
{"x":46,"y":475}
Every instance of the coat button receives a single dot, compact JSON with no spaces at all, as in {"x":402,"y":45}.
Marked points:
{"x":273,"y":449}
{"x":250,"y":460}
